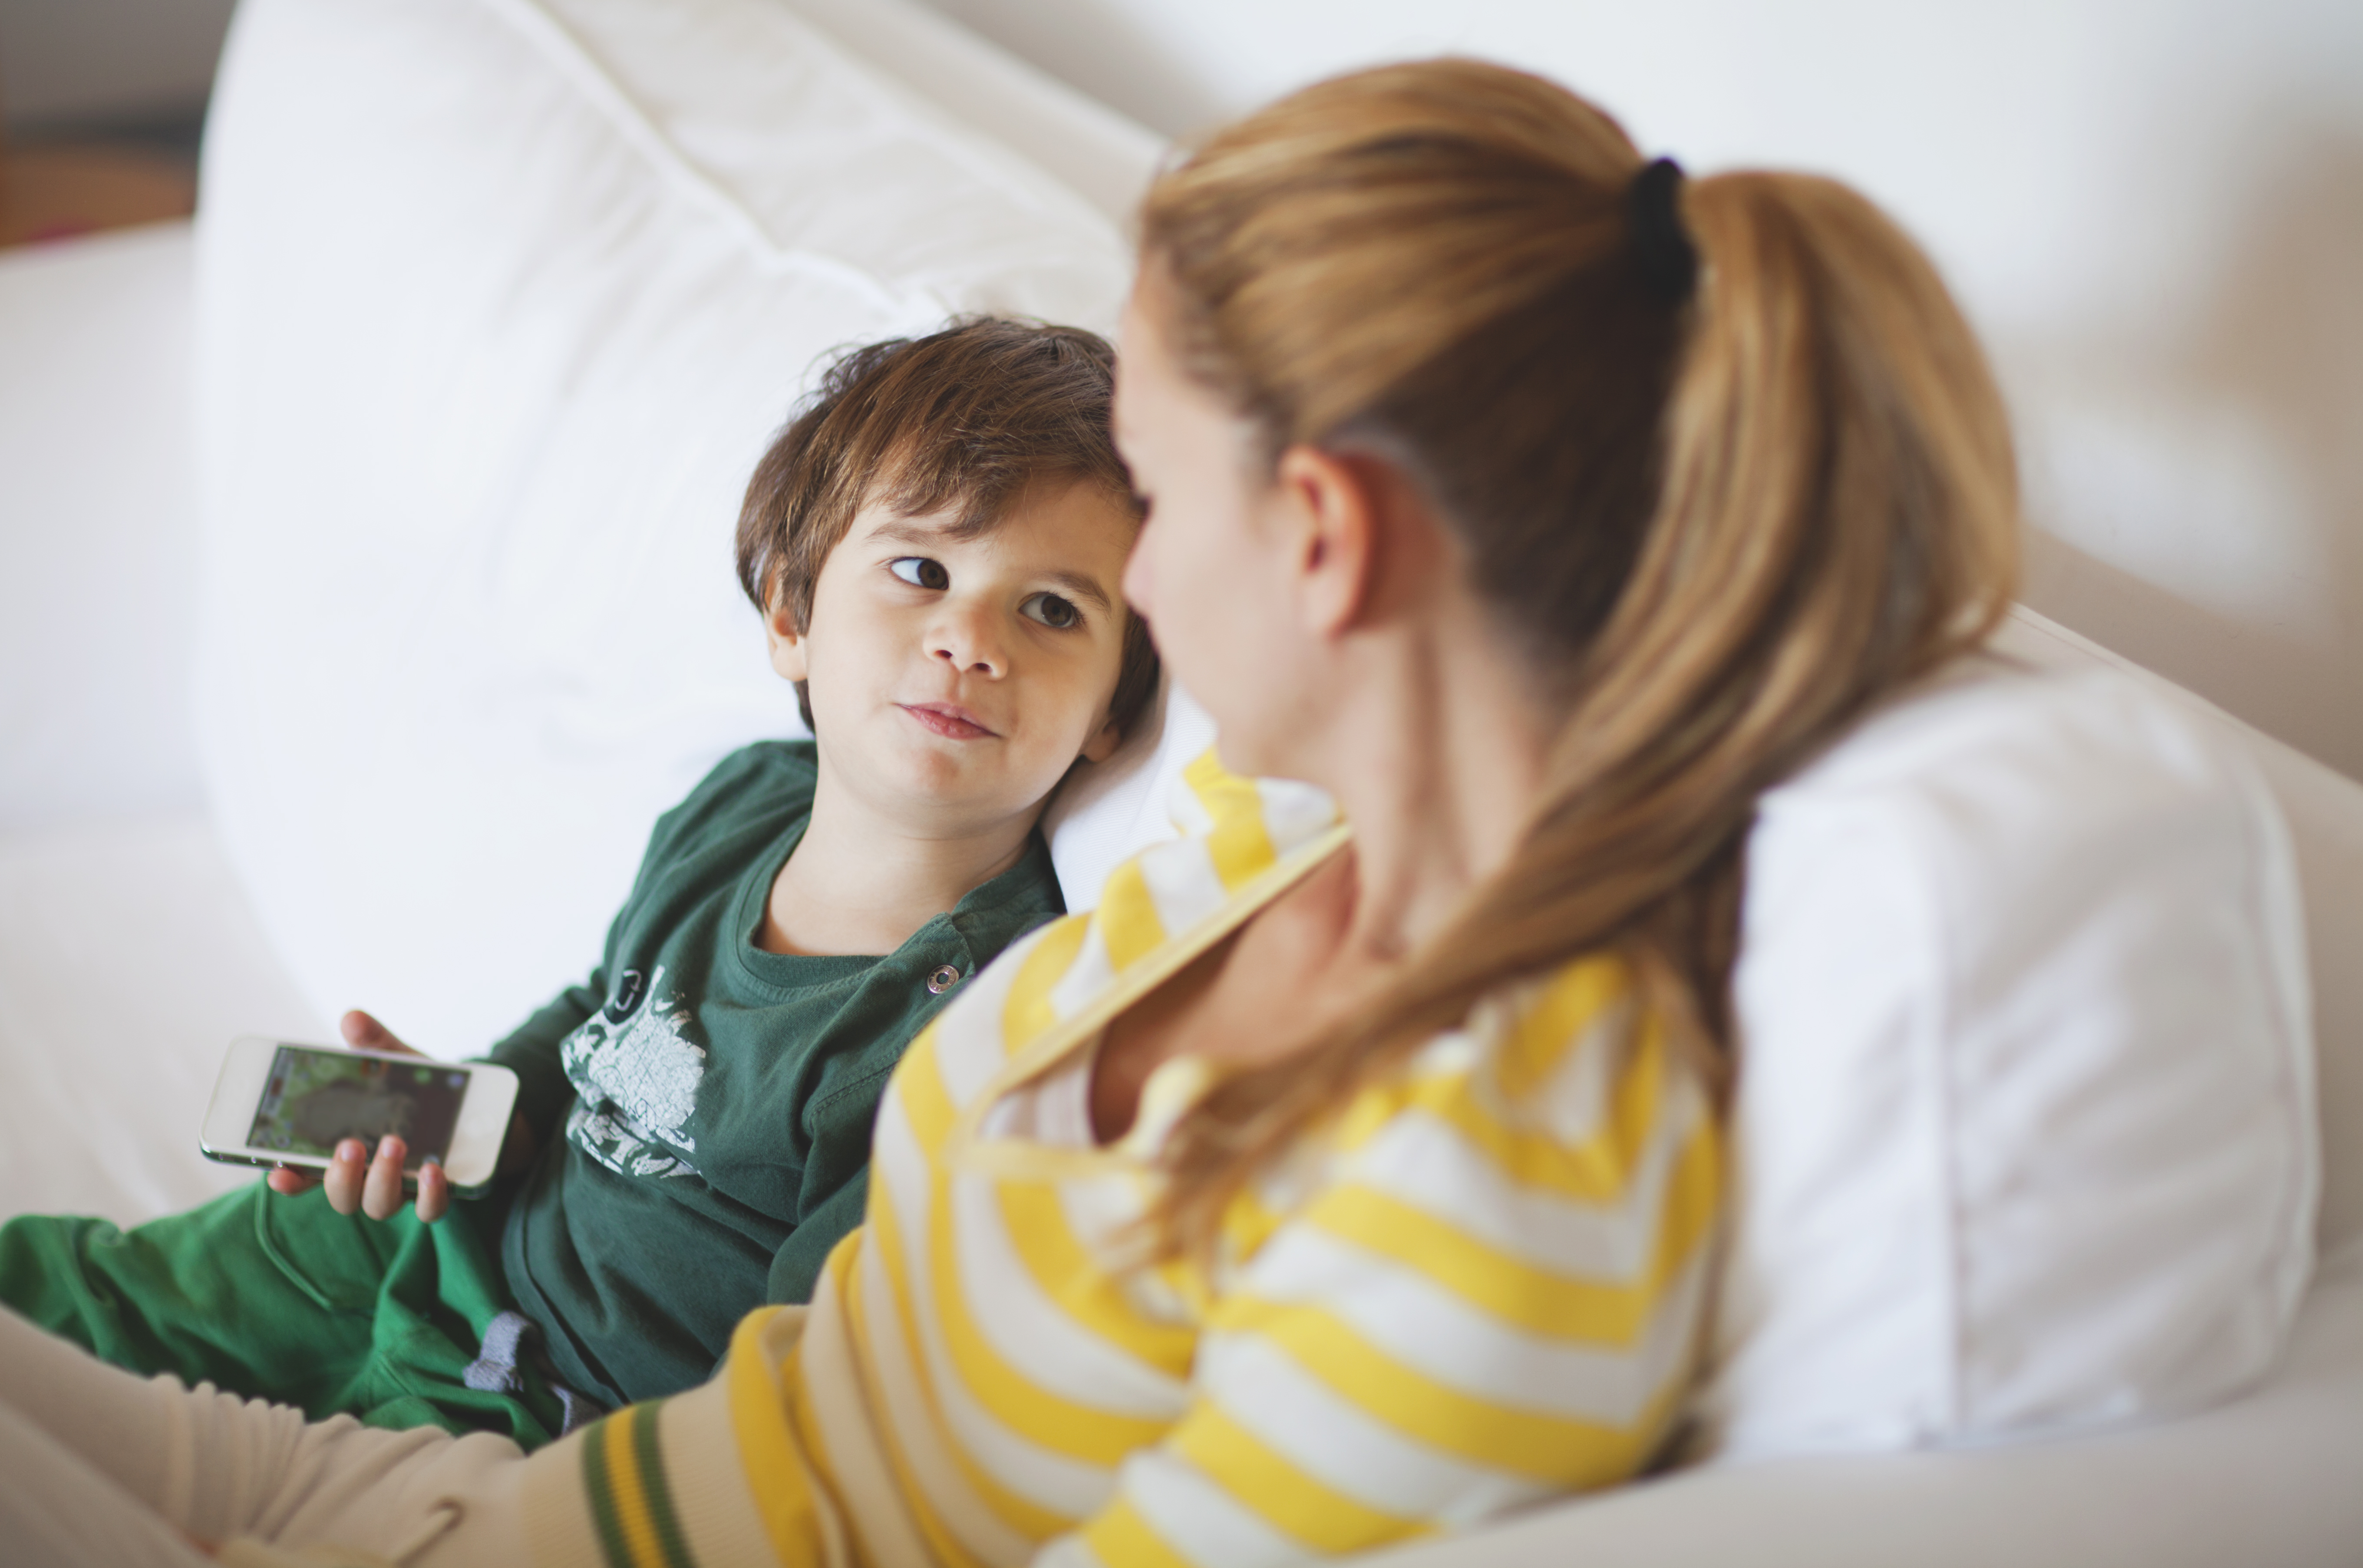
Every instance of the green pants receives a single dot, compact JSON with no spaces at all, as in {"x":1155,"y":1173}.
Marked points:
{"x":283,"y":1298}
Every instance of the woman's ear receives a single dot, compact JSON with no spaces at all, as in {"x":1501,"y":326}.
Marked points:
{"x":1366,"y":540}
{"x":790,"y":654}
{"x":1326,"y":509}
{"x":1369,"y":543}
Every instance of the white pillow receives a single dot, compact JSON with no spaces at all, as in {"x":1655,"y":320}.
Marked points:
{"x":499,"y":302}
{"x":2025,"y":1140}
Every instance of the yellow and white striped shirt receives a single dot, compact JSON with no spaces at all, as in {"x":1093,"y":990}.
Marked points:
{"x":1479,"y":1288}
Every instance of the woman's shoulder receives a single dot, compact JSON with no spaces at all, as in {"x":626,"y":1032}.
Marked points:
{"x":1237,"y":839}
{"x":1560,"y":1090}
{"x":1232,"y":834}
{"x":1541,"y":1188}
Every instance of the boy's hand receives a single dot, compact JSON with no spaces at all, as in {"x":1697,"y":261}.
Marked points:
{"x":355,"y":1180}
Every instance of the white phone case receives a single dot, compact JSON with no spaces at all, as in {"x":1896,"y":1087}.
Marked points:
{"x":279,"y":1103}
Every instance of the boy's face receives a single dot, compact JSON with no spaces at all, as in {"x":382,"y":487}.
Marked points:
{"x":954,"y":681}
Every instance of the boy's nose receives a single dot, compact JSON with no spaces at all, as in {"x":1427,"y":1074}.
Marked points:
{"x":964,"y":639}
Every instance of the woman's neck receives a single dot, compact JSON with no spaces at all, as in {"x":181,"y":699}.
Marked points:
{"x":1436,"y":759}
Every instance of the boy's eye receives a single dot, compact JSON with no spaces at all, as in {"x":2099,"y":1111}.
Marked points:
{"x":1052,"y":611}
{"x":920,"y":571}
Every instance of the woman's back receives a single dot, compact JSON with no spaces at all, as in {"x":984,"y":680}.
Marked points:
{"x":1480,"y":1289}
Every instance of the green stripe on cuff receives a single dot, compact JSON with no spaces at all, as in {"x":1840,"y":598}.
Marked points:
{"x":659,"y":1489}
{"x":595,"y":1481}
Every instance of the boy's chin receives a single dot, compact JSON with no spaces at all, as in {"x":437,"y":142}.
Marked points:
{"x":966,"y":783}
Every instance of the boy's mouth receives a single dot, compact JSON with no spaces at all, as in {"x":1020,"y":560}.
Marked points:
{"x":948,"y":719}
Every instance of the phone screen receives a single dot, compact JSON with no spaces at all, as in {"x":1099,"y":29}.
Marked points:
{"x":313,"y":1098}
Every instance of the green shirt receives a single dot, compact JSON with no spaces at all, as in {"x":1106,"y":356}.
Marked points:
{"x":703,"y":1106}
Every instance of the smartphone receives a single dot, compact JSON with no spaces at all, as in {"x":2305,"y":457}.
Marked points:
{"x":277,"y":1104}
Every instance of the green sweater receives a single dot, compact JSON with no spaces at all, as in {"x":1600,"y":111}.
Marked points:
{"x":703,"y":1108}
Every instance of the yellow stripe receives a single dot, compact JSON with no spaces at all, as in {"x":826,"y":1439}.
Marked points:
{"x":1021,"y":1514}
{"x":942,"y":1545}
{"x":1538,"y":1300}
{"x":1247,"y":1223}
{"x":1557,"y":1022}
{"x":1554,"y":1449}
{"x":628,"y":1490}
{"x":1532,"y":1299}
{"x":767,"y":1448}
{"x":1120,"y":1538}
{"x":1240,"y":844}
{"x":1127,"y":916}
{"x":1261,"y":1478}
{"x":1061,"y":1425}
{"x":1033,"y":1412}
{"x":1594,"y":1171}
{"x":1085,"y":1289}
{"x":926,"y":1102}
{"x":1027,"y":1011}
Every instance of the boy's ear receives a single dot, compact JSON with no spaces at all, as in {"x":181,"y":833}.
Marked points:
{"x":789,"y":655}
{"x":1103,"y":742}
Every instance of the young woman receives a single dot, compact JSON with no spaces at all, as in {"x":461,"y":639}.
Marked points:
{"x":1323,"y":1188}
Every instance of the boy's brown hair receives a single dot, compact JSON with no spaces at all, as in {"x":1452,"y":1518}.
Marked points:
{"x":970,"y":416}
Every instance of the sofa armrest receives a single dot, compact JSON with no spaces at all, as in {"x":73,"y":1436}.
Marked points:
{"x":2270,"y":1480}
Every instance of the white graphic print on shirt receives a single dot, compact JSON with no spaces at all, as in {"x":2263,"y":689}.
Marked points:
{"x":636,"y":1075}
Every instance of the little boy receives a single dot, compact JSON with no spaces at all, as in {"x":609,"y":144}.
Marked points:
{"x":936,"y":541}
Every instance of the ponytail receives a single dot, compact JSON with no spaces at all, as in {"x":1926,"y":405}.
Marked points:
{"x":1726,"y":519}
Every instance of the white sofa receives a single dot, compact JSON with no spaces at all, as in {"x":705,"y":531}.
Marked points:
{"x":130,"y":951}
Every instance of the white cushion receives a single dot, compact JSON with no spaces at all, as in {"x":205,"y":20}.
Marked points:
{"x":2324,"y":810}
{"x":2024,"y":1140}
{"x":500,"y":300}
{"x":1083,"y":143}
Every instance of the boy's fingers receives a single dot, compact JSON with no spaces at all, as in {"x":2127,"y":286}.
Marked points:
{"x":363,"y":1032}
{"x":434,"y":1191}
{"x":382,"y":1188}
{"x":289,"y":1180}
{"x":343,"y":1177}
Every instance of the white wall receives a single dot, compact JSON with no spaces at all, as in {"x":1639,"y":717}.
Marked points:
{"x":2154,"y":209}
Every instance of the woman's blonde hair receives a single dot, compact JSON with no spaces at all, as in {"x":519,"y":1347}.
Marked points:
{"x":1722,"y":515}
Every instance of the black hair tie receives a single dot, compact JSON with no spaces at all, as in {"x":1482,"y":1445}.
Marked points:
{"x":1669,"y":261}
